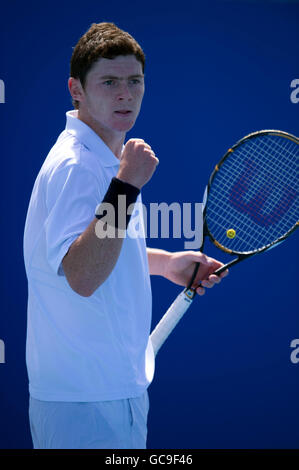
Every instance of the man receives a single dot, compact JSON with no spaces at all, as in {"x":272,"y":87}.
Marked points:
{"x":89,"y":296}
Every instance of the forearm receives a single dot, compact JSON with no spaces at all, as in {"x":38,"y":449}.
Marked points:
{"x":157,"y":260}
{"x":90,"y":260}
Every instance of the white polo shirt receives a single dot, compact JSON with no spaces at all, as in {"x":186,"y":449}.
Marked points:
{"x":82,"y":348}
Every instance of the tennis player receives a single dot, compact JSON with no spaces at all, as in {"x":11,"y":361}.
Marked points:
{"x":89,"y":296}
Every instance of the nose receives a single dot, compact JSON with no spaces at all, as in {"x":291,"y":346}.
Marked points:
{"x":124,"y":92}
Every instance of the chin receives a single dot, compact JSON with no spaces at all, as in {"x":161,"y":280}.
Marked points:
{"x":124,"y":126}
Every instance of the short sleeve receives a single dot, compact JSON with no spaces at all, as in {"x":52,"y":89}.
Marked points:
{"x":72,"y":194}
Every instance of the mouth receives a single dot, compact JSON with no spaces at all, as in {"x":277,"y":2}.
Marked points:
{"x":123,"y":112}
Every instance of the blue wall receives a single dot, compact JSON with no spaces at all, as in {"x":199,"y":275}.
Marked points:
{"x":215,"y":72}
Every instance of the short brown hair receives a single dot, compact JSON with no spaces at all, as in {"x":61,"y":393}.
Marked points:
{"x":102,"y":40}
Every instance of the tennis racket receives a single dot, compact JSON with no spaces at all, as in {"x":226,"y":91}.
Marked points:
{"x":250,"y":206}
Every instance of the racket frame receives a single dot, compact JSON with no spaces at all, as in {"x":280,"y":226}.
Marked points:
{"x":240,"y":256}
{"x":206,"y":232}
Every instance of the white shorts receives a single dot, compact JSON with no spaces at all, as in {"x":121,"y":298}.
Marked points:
{"x":116,"y":424}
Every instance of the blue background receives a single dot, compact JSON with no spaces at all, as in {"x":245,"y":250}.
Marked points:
{"x":215,"y":72}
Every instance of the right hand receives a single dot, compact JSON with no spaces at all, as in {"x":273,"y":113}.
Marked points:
{"x":137,"y":164}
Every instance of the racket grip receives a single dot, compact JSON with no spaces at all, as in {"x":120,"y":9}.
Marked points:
{"x":171,"y":318}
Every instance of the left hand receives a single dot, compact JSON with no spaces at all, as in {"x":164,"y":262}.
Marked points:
{"x":180,"y":266}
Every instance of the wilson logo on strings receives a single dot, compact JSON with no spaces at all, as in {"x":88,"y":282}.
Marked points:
{"x":255,"y":205}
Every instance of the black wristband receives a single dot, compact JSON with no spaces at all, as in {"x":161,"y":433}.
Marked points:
{"x":120,"y":195}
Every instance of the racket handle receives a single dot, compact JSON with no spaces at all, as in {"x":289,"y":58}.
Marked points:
{"x":171,"y":318}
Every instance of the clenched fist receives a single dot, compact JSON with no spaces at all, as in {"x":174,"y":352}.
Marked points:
{"x":138,"y":163}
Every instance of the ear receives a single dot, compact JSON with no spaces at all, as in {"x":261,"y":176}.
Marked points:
{"x":75,"y":89}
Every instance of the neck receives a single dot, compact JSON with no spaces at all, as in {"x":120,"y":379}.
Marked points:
{"x":113,"y":140}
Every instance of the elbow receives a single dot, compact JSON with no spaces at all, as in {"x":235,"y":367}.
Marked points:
{"x":81,"y":282}
{"x":77,"y":281}
{"x":83,"y":292}
{"x":83,"y":289}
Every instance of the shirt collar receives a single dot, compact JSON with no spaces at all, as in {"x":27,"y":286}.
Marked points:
{"x":89,"y":138}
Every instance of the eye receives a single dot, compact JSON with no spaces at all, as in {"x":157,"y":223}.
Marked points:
{"x":134,"y":81}
{"x":108,"y":82}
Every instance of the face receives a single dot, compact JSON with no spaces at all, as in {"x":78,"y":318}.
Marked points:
{"x":112,"y":95}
